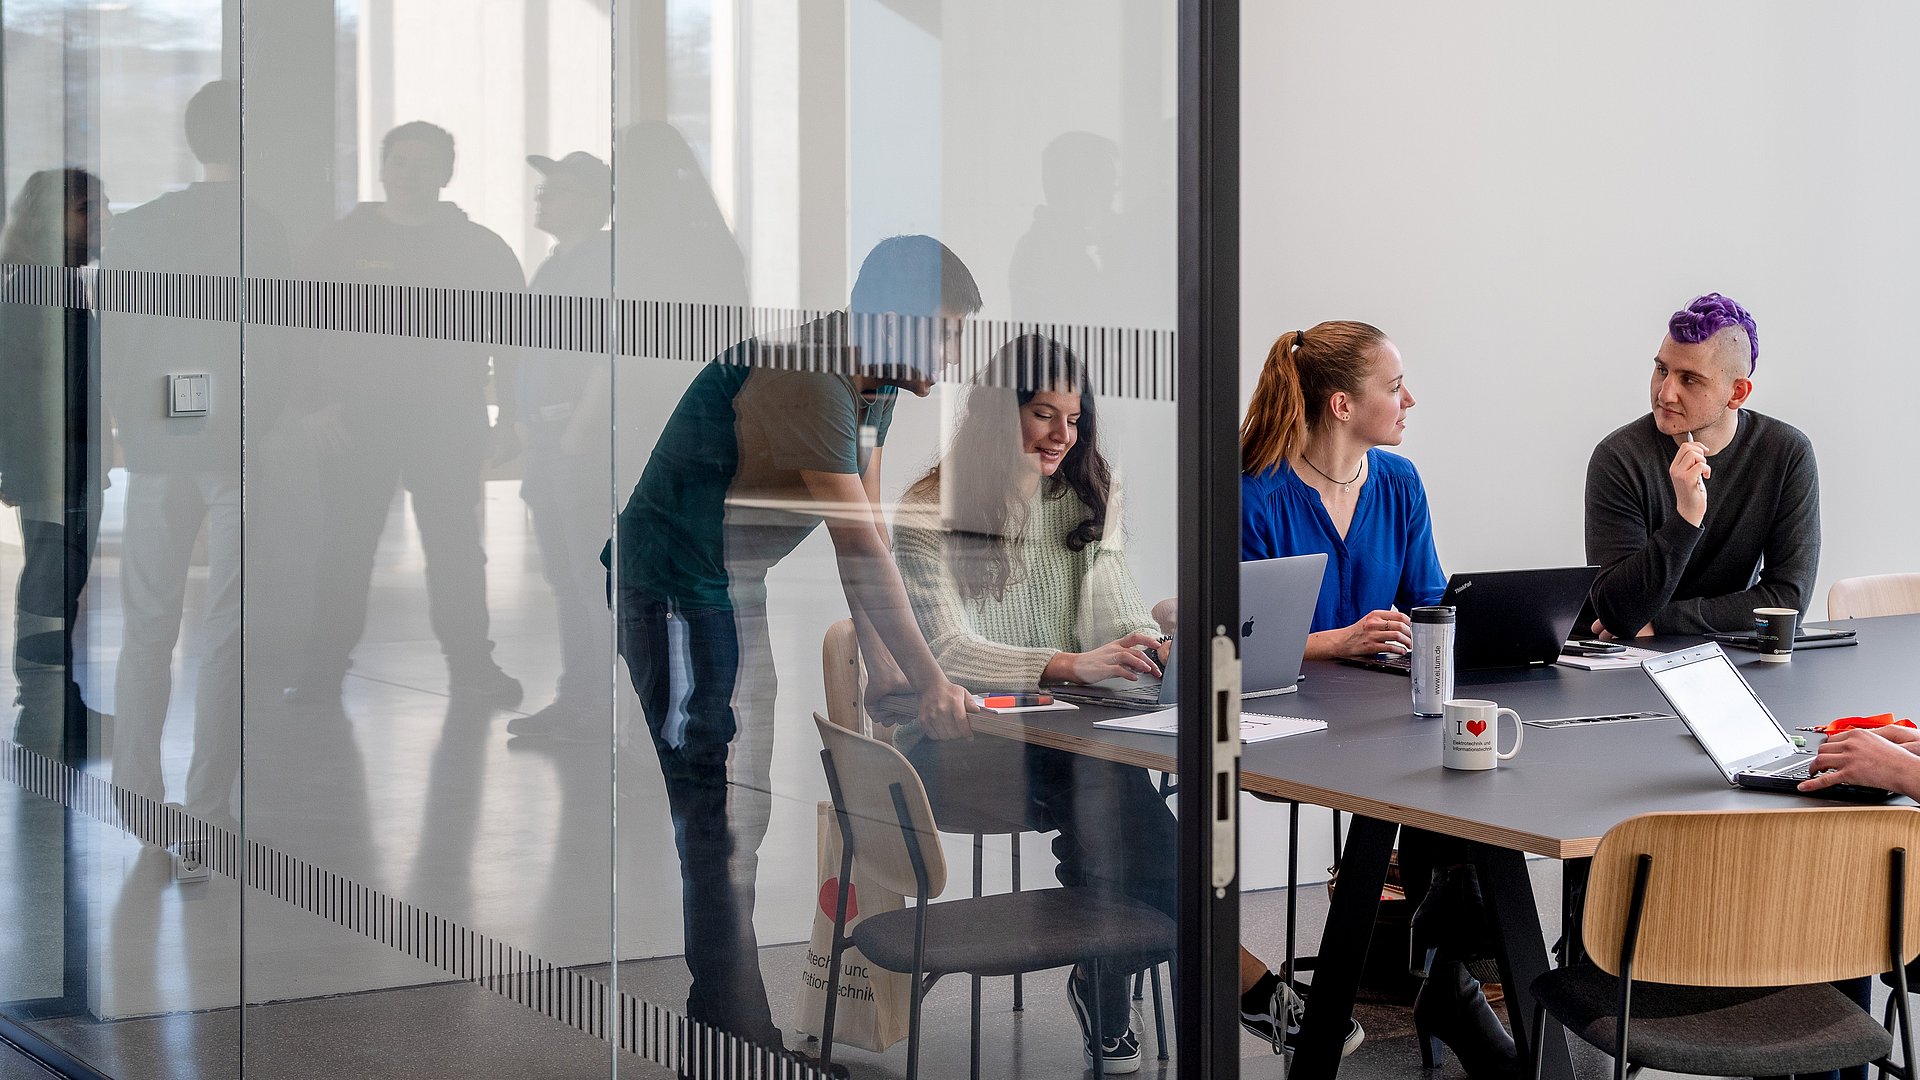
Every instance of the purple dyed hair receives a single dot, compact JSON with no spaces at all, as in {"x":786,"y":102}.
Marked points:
{"x":1706,"y":316}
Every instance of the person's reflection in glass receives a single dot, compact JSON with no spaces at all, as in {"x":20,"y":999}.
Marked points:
{"x":52,"y":458}
{"x":674,"y":243}
{"x":389,"y":410}
{"x":183,"y":471}
{"x":1058,"y":267}
{"x":776,"y":437}
{"x":564,"y":405}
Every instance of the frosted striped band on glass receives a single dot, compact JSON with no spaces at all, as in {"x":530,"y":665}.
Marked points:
{"x":1122,"y":362}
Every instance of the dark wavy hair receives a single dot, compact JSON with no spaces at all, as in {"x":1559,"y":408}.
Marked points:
{"x":977,"y":480}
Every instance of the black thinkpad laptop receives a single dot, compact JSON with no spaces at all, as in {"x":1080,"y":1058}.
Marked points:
{"x":1735,"y":728}
{"x":1507,"y":618}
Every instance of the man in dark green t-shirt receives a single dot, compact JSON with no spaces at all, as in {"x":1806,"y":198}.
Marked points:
{"x":778,"y":436}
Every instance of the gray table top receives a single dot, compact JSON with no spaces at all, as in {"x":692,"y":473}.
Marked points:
{"x":1566,"y":787}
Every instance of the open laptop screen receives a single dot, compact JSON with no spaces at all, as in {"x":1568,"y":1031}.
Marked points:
{"x":1719,"y":707}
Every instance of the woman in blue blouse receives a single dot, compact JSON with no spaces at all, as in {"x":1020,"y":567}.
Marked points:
{"x":1315,"y":479}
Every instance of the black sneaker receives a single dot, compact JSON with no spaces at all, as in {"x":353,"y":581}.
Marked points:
{"x":484,"y":684}
{"x":1277,"y":1022}
{"x":1118,"y":1054}
{"x":561,"y":723}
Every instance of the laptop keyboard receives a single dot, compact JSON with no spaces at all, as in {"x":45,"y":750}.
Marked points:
{"x":1798,"y":771}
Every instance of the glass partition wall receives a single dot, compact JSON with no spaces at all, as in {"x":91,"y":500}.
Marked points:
{"x":449,"y":448}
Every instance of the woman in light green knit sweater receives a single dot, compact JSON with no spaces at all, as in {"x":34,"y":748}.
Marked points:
{"x":1011,"y":552}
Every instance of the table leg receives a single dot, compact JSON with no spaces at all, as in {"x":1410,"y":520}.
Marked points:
{"x":1523,"y":952}
{"x":1343,"y":948}
{"x":1573,"y":899}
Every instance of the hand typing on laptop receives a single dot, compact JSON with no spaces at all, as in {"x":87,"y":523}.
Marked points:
{"x":1886,"y":757}
{"x":1126,"y":658}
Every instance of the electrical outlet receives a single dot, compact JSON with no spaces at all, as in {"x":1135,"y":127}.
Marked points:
{"x":190,"y":861}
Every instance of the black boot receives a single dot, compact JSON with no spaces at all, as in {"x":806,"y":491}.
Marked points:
{"x":1452,"y":915}
{"x":1451,"y":1009}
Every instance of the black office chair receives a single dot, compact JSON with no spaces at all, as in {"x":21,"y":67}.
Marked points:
{"x":1894,"y":981}
{"x":1712,"y":936}
{"x":845,"y":678}
{"x":886,"y":823}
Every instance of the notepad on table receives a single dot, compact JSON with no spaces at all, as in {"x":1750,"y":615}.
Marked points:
{"x":1254,"y":727}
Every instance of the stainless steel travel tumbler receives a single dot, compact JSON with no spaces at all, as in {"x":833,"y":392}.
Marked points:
{"x":1432,"y":657}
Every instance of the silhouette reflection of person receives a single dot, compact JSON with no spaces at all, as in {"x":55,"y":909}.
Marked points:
{"x":564,"y":406}
{"x":777,"y":436}
{"x":673,"y":245}
{"x":52,"y":463}
{"x":1059,"y":265}
{"x":410,"y":411}
{"x":674,"y":242}
{"x":183,"y":472}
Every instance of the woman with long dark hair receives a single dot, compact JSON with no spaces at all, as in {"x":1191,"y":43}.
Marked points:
{"x":51,"y":467}
{"x":1011,"y":549}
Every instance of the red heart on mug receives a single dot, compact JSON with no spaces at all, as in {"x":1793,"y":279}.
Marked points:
{"x":1476,"y":726}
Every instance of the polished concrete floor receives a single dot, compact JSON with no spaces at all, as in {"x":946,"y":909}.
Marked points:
{"x":459,"y":1030}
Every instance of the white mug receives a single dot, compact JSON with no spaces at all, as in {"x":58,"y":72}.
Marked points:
{"x":1467,"y":730}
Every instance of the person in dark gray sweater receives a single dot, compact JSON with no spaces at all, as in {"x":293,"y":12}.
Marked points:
{"x":1701,"y":510}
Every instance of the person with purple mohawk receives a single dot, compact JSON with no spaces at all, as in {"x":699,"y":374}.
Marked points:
{"x":1703,"y":509}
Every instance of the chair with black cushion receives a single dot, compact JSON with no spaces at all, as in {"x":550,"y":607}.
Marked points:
{"x":845,"y":678}
{"x":846,"y":682}
{"x":1712,"y":935}
{"x":886,"y":823}
{"x":1910,"y":979}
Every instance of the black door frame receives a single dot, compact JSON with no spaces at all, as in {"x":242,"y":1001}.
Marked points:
{"x":1206,"y":982}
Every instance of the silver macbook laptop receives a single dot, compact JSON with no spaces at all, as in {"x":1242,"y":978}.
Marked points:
{"x":1734,"y":726}
{"x":1277,"y":597}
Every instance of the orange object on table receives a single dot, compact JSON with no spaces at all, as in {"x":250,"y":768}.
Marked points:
{"x":1848,"y":723}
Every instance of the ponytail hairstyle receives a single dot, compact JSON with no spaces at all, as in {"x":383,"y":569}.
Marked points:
{"x":1304,"y":369}
{"x":978,"y":478}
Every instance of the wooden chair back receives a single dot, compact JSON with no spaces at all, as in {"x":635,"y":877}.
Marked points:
{"x":1756,"y":898}
{"x":846,"y":681}
{"x":1879,"y":594}
{"x":867,"y":770}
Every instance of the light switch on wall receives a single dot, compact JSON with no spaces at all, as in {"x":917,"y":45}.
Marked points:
{"x":187,"y":395}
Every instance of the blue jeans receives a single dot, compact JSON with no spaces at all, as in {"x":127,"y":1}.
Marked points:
{"x":717,"y":822}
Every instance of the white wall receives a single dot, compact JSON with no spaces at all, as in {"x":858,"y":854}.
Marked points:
{"x":1520,"y":194}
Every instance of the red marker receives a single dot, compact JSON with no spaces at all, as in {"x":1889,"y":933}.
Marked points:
{"x":1015,"y":701}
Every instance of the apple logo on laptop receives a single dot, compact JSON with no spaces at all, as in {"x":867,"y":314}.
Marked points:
{"x":1246,"y":629}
